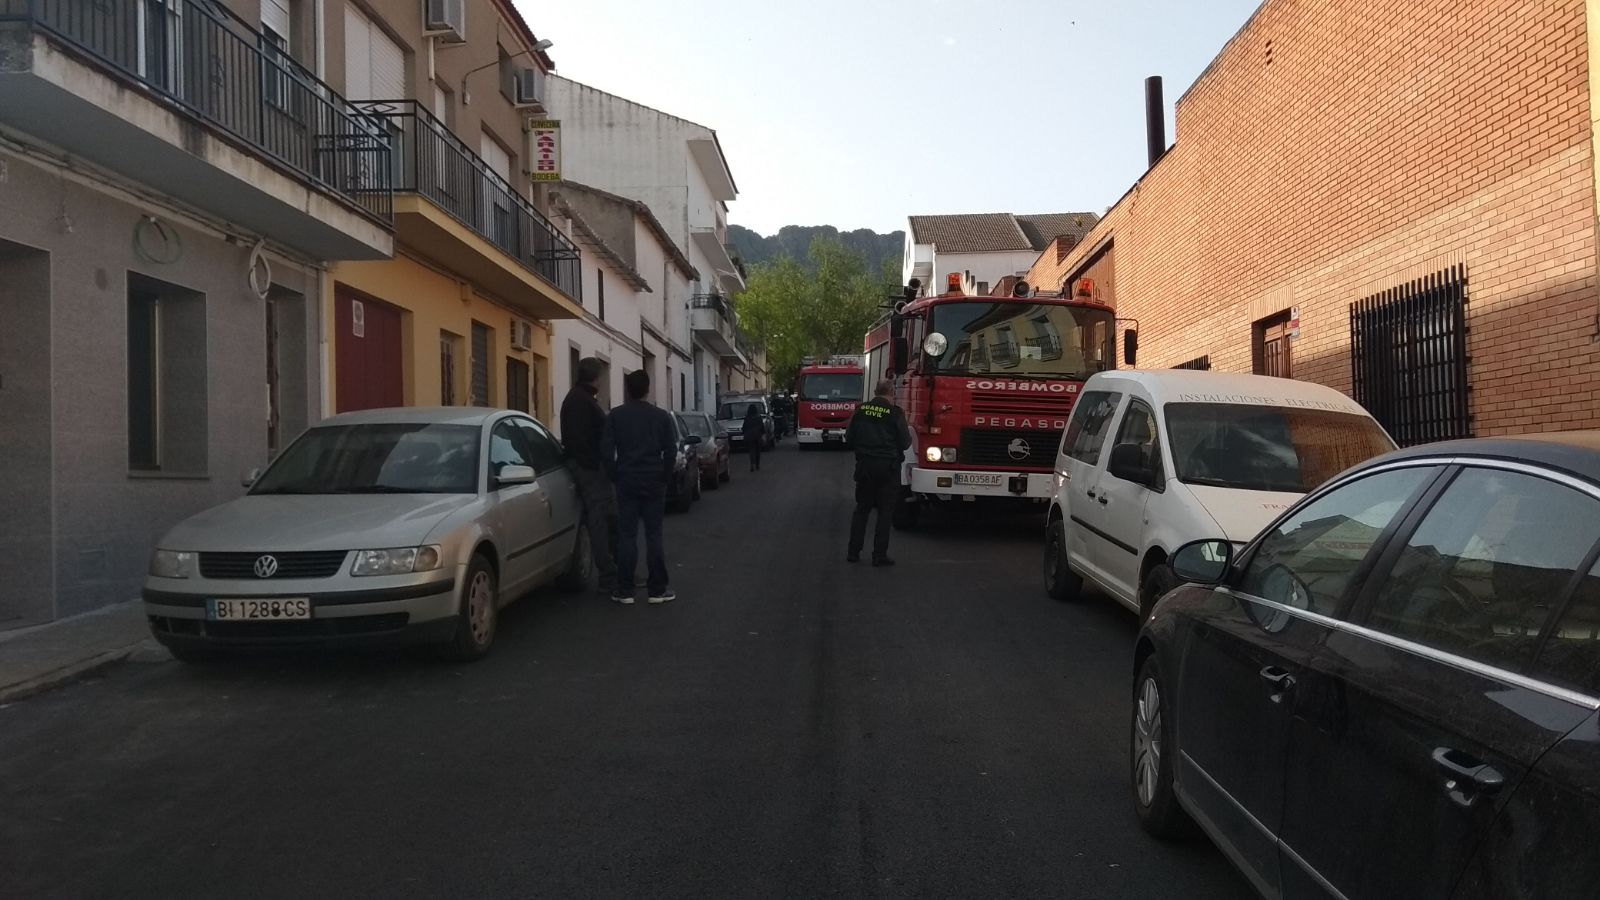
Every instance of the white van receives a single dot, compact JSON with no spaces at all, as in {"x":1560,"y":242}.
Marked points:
{"x":1152,"y":460}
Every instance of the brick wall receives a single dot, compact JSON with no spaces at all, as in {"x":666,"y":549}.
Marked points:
{"x":1336,"y":148}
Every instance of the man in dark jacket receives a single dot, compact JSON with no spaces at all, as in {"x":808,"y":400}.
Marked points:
{"x":880,"y":437}
{"x":639,"y":449}
{"x":754,"y":430}
{"x":583,"y":424}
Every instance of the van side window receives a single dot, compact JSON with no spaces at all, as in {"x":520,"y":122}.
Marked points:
{"x":1086,"y":432}
{"x":1139,"y":427}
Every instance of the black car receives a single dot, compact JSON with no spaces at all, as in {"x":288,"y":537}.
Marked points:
{"x":1392,"y":691}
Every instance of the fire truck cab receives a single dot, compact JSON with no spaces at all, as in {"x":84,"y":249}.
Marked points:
{"x":987,"y":384}
{"x":827,"y":392}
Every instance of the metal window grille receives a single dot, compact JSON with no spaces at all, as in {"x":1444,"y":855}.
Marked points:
{"x":1408,"y":358}
{"x":1202,"y":363}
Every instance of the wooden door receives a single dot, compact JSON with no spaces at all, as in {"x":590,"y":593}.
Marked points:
{"x":369,"y":372}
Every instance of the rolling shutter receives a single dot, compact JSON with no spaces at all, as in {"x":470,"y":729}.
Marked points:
{"x":375,"y":66}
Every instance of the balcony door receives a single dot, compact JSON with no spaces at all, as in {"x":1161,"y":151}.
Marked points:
{"x":498,"y":222}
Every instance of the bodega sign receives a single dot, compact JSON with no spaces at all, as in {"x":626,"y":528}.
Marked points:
{"x":1024,"y":387}
{"x":544,"y":150}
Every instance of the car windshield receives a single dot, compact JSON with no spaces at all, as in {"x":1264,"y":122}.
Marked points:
{"x":834,"y":386}
{"x":696,"y":425}
{"x":1037,"y":339}
{"x":736,"y":410}
{"x":1268,"y":448}
{"x":390,"y":458}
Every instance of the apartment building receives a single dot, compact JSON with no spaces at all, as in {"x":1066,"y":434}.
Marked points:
{"x":174,"y":180}
{"x":983,"y":248}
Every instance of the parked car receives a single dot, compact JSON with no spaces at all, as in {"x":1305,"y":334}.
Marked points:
{"x":714,"y":448}
{"x":1152,"y":460}
{"x":1392,"y":691}
{"x":684,"y":488}
{"x":730,"y":417}
{"x":390,"y":525}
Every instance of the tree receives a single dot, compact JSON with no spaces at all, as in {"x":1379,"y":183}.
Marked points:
{"x":796,"y":313}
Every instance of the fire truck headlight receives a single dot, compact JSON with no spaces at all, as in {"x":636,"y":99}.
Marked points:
{"x":941,"y":454}
{"x":934,"y":454}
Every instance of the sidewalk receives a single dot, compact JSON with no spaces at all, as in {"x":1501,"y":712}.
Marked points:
{"x":39,"y":658}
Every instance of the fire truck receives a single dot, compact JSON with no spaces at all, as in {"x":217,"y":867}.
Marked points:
{"x":827,"y":392}
{"x":987,"y":384}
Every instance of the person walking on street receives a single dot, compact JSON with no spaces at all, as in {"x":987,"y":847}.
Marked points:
{"x":880,"y":437}
{"x":755,"y":435}
{"x":583,"y":424}
{"x":638,"y":449}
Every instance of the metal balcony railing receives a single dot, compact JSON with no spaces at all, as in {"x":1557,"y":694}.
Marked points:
{"x":433,"y":162}
{"x":214,"y":66}
{"x":713,"y":301}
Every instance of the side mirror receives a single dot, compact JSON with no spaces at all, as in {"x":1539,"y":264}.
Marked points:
{"x":1128,"y":463}
{"x":249,"y":478}
{"x":693,"y":439}
{"x":723,"y":435}
{"x":515,"y":475}
{"x":1203,"y":562}
{"x":1130,"y":347}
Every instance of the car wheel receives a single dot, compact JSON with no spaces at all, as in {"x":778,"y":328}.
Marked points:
{"x":580,"y":567}
{"x":479,"y":613}
{"x":1150,"y":756}
{"x":1157,"y":582}
{"x":1060,"y":582}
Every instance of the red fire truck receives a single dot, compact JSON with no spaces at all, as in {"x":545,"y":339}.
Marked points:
{"x":827,"y":392}
{"x":987,"y":384}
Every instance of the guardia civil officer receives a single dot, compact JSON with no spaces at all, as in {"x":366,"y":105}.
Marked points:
{"x":880,"y":438}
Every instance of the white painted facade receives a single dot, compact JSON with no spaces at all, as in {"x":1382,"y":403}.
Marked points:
{"x":924,"y":261}
{"x":677,"y":168}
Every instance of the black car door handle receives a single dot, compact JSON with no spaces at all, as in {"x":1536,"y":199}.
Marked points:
{"x":1090,"y":493}
{"x":1104,"y":500}
{"x":1478,"y":776}
{"x":1282,"y":682}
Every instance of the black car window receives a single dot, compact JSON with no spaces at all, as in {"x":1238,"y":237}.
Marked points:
{"x":506,"y":448}
{"x":546,"y":450}
{"x":1307,"y":561}
{"x":1486,"y":566}
{"x":1570,"y":656}
{"x":1086,"y":432}
{"x":1139,"y":427}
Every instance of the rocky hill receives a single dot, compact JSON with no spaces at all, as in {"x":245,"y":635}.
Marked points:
{"x":795,"y":240}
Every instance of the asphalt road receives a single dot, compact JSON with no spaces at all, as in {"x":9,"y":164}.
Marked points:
{"x":792,"y":727}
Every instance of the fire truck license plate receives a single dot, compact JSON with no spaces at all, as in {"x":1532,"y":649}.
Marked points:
{"x":979,"y":480}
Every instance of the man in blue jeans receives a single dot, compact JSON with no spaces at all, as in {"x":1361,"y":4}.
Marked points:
{"x":639,"y":449}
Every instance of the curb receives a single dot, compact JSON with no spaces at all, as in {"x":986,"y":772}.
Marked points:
{"x":56,"y":677}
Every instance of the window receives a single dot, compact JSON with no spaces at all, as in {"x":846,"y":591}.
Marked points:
{"x":1570,"y":656}
{"x":1268,"y":448}
{"x":449,"y":362}
{"x":1086,"y":432}
{"x":1408,"y":358}
{"x":1308,"y":560}
{"x":167,"y":406}
{"x":374,"y":65}
{"x":1271,"y":347}
{"x":1199,"y":363}
{"x":547,"y":452}
{"x":160,"y":49}
{"x":683,"y":390}
{"x":507,"y":448}
{"x":1481,"y":573}
{"x":981,"y":336}
{"x":480,"y":364}
{"x":1046,"y":343}
{"x":508,"y":75}
{"x":498,"y":200}
{"x":516,"y":384}
{"x":377,"y":459}
{"x":600,"y":284}
{"x":275,"y":73}
{"x":1139,"y":428}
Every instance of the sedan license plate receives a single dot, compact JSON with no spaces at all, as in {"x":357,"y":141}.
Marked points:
{"x":258,"y":610}
{"x":979,"y":479}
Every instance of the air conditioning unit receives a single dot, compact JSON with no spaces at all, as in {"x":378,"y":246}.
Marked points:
{"x":530,"y":88}
{"x":521,"y":334}
{"x":447,"y":18}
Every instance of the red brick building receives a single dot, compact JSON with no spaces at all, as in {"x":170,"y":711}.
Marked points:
{"x":1393,"y":197}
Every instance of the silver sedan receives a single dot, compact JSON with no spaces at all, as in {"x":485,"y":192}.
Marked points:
{"x":393,"y":525}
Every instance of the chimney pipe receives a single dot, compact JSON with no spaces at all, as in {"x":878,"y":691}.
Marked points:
{"x":1155,"y":118}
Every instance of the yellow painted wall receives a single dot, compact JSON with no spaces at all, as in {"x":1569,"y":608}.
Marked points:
{"x":433,"y":302}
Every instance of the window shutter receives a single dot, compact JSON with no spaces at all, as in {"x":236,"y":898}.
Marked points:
{"x":388,"y":67}
{"x":357,"y":55}
{"x":275,"y":16}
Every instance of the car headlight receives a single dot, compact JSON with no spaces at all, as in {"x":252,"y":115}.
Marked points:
{"x":173,"y":563}
{"x":941,"y":454}
{"x":400,"y":561}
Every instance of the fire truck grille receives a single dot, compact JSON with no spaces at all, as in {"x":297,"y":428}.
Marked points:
{"x":988,"y":403}
{"x":1011,"y":448}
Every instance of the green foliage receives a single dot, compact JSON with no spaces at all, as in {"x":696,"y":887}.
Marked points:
{"x":818,"y":308}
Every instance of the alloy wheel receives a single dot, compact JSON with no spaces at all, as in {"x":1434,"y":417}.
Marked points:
{"x":480,"y":608}
{"x":1147,"y":741}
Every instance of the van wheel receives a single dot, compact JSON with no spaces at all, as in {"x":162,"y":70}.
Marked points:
{"x":1151,"y":750}
{"x":1060,"y":582}
{"x":1156,"y":584}
{"x":479,"y":613}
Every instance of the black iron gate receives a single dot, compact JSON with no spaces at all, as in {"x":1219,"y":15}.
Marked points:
{"x":1408,"y":358}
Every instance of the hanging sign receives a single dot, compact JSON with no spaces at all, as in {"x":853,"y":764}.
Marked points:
{"x":544,"y":149}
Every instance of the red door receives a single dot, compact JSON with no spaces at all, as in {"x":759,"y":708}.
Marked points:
{"x":368,"y":371}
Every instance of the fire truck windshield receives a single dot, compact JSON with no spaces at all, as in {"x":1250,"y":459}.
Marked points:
{"x":1040,"y":339}
{"x":831,"y":386}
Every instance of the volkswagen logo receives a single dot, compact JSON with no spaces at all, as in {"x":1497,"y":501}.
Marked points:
{"x":1018,"y":449}
{"x":266,"y":566}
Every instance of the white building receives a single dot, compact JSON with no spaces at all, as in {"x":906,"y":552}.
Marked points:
{"x":677,"y":169}
{"x":633,"y":277}
{"x":983,"y":247}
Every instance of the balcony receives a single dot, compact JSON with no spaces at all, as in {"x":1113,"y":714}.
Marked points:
{"x":712,"y":319}
{"x":185,"y":98}
{"x":451,"y":206}
{"x":716,"y":251}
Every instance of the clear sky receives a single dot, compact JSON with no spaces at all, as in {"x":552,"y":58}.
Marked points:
{"x":857,"y":113}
